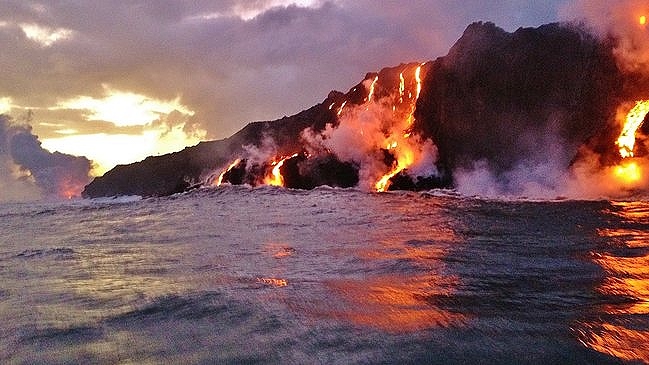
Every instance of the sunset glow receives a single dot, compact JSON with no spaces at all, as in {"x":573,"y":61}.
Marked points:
{"x":5,"y":105}
{"x":141,"y":128}
{"x":45,"y":36}
{"x":124,"y":108}
{"x":250,"y":10}
{"x":109,"y":150}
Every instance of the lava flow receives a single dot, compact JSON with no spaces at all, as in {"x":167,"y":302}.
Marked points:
{"x":369,"y":143}
{"x":275,"y":178}
{"x":234,"y":163}
{"x":404,"y":152}
{"x":629,"y":170}
{"x":634,"y":120}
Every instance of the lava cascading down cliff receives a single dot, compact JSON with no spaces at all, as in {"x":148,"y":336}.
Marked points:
{"x":541,"y":111}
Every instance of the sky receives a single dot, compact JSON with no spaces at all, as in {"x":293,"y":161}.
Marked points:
{"x":117,"y":81}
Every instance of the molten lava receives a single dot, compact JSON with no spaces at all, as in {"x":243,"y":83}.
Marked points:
{"x":634,"y":119}
{"x":234,"y":163}
{"x":275,"y":178}
{"x":418,"y":80}
{"x":402,"y":87}
{"x":340,"y":110}
{"x":372,"y":142}
{"x":371,"y":92}
{"x":629,"y":172}
{"x":403,"y":150}
{"x":69,"y":189}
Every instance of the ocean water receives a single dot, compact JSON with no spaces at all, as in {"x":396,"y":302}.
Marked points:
{"x":242,"y":276}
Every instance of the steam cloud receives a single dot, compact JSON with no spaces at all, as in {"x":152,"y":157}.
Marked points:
{"x":361,"y":137}
{"x":29,"y":172}
{"x":621,"y":21}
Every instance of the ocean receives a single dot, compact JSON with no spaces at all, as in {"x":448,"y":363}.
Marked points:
{"x":236,"y":275}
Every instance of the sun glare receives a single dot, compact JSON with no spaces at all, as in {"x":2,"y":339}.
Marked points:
{"x":248,"y":11}
{"x":45,"y":36}
{"x":110,"y":150}
{"x":124,"y":108}
{"x":5,"y":105}
{"x":643,"y":20}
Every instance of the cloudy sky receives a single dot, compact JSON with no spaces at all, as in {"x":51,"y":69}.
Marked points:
{"x":119,"y":80}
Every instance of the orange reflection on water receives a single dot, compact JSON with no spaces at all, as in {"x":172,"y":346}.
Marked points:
{"x":629,"y":281}
{"x":395,"y":304}
{"x":403,"y":301}
{"x":617,"y":340}
{"x":273,"y":281}
{"x":626,"y":267}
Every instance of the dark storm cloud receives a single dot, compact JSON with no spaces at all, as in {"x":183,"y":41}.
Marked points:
{"x":230,"y":71}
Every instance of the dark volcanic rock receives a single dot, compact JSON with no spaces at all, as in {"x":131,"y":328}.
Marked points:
{"x":302,"y":173}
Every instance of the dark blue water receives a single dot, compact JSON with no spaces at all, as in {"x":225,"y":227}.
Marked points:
{"x":237,"y":275}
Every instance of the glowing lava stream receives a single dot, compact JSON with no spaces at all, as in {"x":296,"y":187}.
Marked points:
{"x":418,"y":80}
{"x":630,"y":171}
{"x":230,"y":167}
{"x":371,"y":93}
{"x":404,"y":153}
{"x":634,"y":119}
{"x":340,"y":110}
{"x":276,"y":179}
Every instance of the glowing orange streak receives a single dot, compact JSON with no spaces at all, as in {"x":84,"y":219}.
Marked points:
{"x":273,"y":281}
{"x":383,"y":183}
{"x":418,"y":80}
{"x":340,"y":110}
{"x":634,"y":120}
{"x":402,"y":87}
{"x":230,"y":167}
{"x":70,"y":190}
{"x":405,"y":152}
{"x":371,"y":93}
{"x":405,"y":157}
{"x":276,"y":178}
{"x":628,"y":172}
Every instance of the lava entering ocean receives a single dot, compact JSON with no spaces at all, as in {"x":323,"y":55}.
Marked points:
{"x":371,"y":137}
{"x":629,"y":170}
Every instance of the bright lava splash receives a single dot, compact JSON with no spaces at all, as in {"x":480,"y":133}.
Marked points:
{"x":633,"y":121}
{"x":629,"y":170}
{"x":275,"y":178}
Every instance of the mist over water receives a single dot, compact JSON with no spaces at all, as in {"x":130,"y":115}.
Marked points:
{"x":266,"y":275}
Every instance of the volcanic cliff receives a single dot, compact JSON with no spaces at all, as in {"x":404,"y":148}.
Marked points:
{"x":502,"y":99}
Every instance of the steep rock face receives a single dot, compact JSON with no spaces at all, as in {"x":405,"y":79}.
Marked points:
{"x":501,"y":97}
{"x":497,"y":97}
